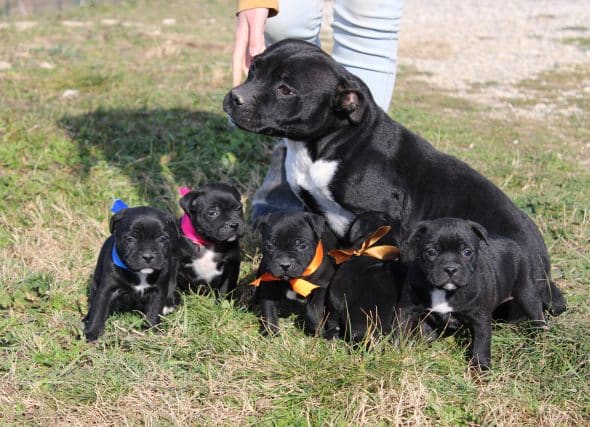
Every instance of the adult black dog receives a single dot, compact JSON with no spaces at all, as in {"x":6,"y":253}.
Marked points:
{"x":346,"y":156}
{"x":295,"y":265}
{"x":363,"y":294}
{"x":136,"y":263}
{"x":454,"y":266}
{"x":212,"y":225}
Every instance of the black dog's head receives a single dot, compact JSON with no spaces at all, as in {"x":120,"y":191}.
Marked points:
{"x":215,"y":211}
{"x":143,"y":237}
{"x":445,"y":249}
{"x":296,"y":90}
{"x":289,"y":242}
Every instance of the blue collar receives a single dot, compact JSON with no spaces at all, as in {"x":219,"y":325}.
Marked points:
{"x":117,"y":260}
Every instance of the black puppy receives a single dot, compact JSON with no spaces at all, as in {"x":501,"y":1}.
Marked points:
{"x":135,"y":262}
{"x":345,"y":156}
{"x":295,"y":265}
{"x":212,"y":225}
{"x":363,"y":293}
{"x":455,"y":267}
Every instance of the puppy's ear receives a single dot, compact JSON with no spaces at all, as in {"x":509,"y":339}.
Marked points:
{"x":479,"y":230}
{"x":188,"y":200}
{"x":235,"y":192}
{"x":410,"y":248}
{"x":317,"y":222}
{"x":260,"y":223}
{"x":350,"y":100}
{"x":115,"y":219}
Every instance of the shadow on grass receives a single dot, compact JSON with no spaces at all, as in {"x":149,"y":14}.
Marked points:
{"x":160,"y":149}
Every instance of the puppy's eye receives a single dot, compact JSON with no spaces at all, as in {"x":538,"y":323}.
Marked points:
{"x":269,"y":246}
{"x":162,"y":240}
{"x":431,"y":253}
{"x":129,"y":239}
{"x":285,"y":90}
{"x":239,"y":208}
{"x":212,"y":213}
{"x":467,"y":252}
{"x":301,"y":246}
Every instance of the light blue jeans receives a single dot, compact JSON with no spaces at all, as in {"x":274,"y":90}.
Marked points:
{"x":365,"y":42}
{"x":365,"y":37}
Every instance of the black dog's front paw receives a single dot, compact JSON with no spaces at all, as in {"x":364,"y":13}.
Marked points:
{"x":268,"y":329}
{"x":92,"y":334}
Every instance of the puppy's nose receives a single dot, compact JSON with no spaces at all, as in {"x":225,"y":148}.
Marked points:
{"x":236,"y":98}
{"x":147,"y":258}
{"x":233,"y":225}
{"x":285,"y":265}
{"x":450,"y":269}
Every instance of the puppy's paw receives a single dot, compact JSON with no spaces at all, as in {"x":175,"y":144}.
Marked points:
{"x":92,"y":334}
{"x":268,"y":330}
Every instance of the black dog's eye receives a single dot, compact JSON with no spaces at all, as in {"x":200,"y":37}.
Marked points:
{"x":162,"y":240}
{"x":301,"y":246}
{"x":431,"y":253}
{"x":129,"y":239}
{"x":238,"y":208}
{"x":269,"y":246}
{"x":467,"y":252}
{"x":212,"y":213}
{"x":285,"y":90}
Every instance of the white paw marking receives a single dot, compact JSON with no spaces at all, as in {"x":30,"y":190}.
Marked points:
{"x":438,"y":302}
{"x":315,"y":177}
{"x":167,"y":310}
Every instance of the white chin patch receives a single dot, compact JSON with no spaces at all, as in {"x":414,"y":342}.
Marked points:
{"x":147,"y":270}
{"x":233,"y":238}
{"x":449,"y":287}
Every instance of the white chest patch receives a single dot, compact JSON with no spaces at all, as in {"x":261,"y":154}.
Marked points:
{"x":205,"y":267}
{"x":143,"y":284}
{"x":438,"y":302}
{"x":315,"y":177}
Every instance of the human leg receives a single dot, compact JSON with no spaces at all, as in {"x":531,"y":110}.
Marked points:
{"x":365,"y":42}
{"x":297,"y":19}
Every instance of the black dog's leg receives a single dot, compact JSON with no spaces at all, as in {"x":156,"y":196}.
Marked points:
{"x":268,"y":308}
{"x":100,"y":306}
{"x":154,"y":306}
{"x":314,"y":312}
{"x":528,"y":297}
{"x":226,"y":285}
{"x":480,"y":350}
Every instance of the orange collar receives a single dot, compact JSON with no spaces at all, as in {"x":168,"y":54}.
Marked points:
{"x":383,"y":252}
{"x":299,"y":285}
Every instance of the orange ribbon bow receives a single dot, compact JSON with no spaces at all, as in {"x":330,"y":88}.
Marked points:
{"x":382,"y":252}
{"x":299,"y":285}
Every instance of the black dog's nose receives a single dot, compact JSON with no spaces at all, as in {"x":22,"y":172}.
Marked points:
{"x":147,"y":258}
{"x":450,"y":269}
{"x":285,"y":265}
{"x":236,"y":98}
{"x":233,"y":225}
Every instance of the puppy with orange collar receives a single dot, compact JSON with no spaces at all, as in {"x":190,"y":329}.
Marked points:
{"x":295,"y":265}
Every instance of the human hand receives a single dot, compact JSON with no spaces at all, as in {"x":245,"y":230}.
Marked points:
{"x":249,"y":40}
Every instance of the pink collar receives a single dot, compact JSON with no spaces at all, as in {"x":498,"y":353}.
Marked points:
{"x":187,"y":226}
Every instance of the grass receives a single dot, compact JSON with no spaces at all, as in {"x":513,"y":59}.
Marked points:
{"x":148,"y":119}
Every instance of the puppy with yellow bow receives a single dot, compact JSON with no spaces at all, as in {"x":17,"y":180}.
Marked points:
{"x":363,"y":295}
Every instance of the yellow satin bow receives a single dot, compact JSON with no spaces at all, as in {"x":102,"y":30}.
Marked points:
{"x":382,"y":252}
{"x":299,"y":285}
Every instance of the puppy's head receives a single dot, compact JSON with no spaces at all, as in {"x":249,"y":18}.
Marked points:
{"x":289,"y":242}
{"x":143,"y":237}
{"x":445,"y":249}
{"x":296,"y":90}
{"x":215,"y":211}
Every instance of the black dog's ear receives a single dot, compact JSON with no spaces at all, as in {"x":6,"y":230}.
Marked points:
{"x":317,"y":222}
{"x":188,"y":200}
{"x":260,"y":223}
{"x":235,"y":192}
{"x":410,"y":248}
{"x":115,"y":219}
{"x":350,"y":100}
{"x":479,"y":230}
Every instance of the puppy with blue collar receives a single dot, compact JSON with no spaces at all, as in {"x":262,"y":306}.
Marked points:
{"x":456,"y":268}
{"x":135,"y":262}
